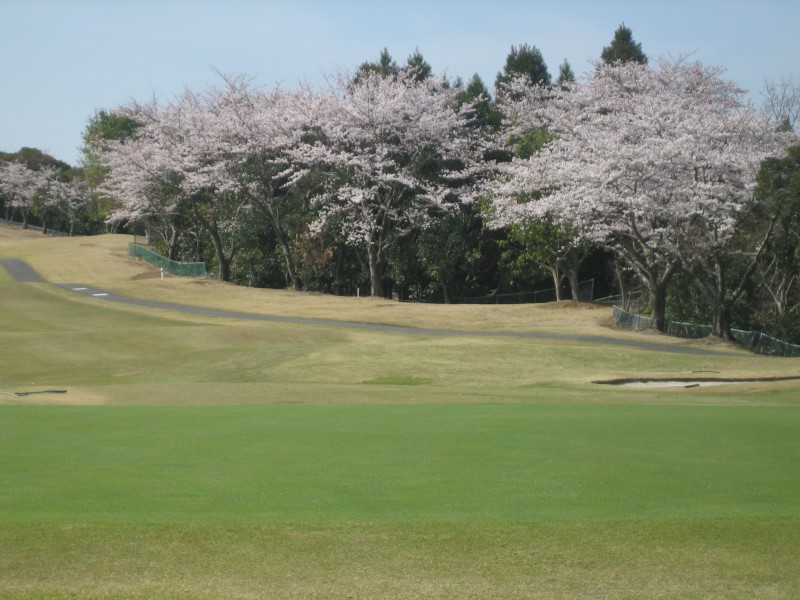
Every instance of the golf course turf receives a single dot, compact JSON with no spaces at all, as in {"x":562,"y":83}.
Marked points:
{"x":201,"y":456}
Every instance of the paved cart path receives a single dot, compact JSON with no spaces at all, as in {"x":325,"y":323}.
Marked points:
{"x":23,"y":272}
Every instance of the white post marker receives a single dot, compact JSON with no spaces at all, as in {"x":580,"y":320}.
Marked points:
{"x":162,"y":272}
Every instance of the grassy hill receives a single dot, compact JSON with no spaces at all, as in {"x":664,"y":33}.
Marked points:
{"x":206,"y":457}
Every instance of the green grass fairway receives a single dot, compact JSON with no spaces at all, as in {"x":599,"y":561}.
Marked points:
{"x":400,"y":501}
{"x":322,"y":464}
{"x":204,"y":457}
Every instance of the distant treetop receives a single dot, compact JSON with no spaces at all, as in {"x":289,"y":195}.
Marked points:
{"x":623,"y":48}
{"x":565,"y":74}
{"x":34,"y":159}
{"x":525,"y":60}
{"x":385,"y":65}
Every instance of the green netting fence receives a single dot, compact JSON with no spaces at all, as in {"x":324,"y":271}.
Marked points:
{"x":757,"y":341}
{"x":186,"y":269}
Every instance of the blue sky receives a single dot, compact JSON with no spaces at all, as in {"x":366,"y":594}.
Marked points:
{"x":60,"y":60}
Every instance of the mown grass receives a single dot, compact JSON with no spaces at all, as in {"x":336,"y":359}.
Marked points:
{"x":392,"y":463}
{"x":200,"y":457}
{"x":400,"y":501}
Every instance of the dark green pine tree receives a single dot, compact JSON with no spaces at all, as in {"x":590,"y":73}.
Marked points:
{"x":385,"y":65}
{"x":34,"y":159}
{"x":417,"y":64}
{"x":565,"y":74}
{"x":476,"y":93}
{"x":623,"y":48}
{"x":527,"y":60}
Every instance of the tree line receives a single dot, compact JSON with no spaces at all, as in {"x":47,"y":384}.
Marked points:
{"x":403,"y":183}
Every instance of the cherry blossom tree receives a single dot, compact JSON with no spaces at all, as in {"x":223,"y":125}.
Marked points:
{"x":40,"y":192}
{"x":721,"y":204}
{"x":20,"y":185}
{"x":72,"y":197}
{"x":204,"y":154}
{"x":385,"y":142}
{"x":656,"y":164}
{"x":142,"y":174}
{"x":173,"y":170}
{"x":48,"y":195}
{"x":212,"y":157}
{"x":14,"y":184}
{"x":262,"y":129}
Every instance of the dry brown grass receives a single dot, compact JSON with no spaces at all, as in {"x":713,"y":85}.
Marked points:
{"x":103,"y":261}
{"x":448,"y":364}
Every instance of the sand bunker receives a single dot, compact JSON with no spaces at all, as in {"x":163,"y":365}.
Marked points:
{"x":690,"y":382}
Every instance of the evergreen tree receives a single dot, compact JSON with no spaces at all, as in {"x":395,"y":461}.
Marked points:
{"x":417,"y":64}
{"x":385,"y":65}
{"x":476,"y":93}
{"x":527,"y":60}
{"x":102,"y":127}
{"x":565,"y":74}
{"x":623,"y":48}
{"x":35,"y":159}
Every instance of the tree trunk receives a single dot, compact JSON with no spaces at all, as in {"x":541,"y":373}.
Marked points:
{"x":223,"y":261}
{"x":375,"y":270}
{"x":655,"y":274}
{"x":659,"y":309}
{"x":266,"y":206}
{"x":446,"y":293}
{"x":722,"y":306}
{"x":723,"y":301}
{"x":337,"y":272}
{"x":624,"y":284}
{"x":722,"y":321}
{"x":172,"y":242}
{"x":657,"y":286}
{"x":574,"y":284}
{"x":570,"y":265}
{"x":287,"y":259}
{"x":555,"y":273}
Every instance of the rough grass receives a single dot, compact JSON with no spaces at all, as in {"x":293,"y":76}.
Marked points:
{"x":199,"y":457}
{"x":105,"y":354}
{"x":102,"y":261}
{"x":705,"y":558}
